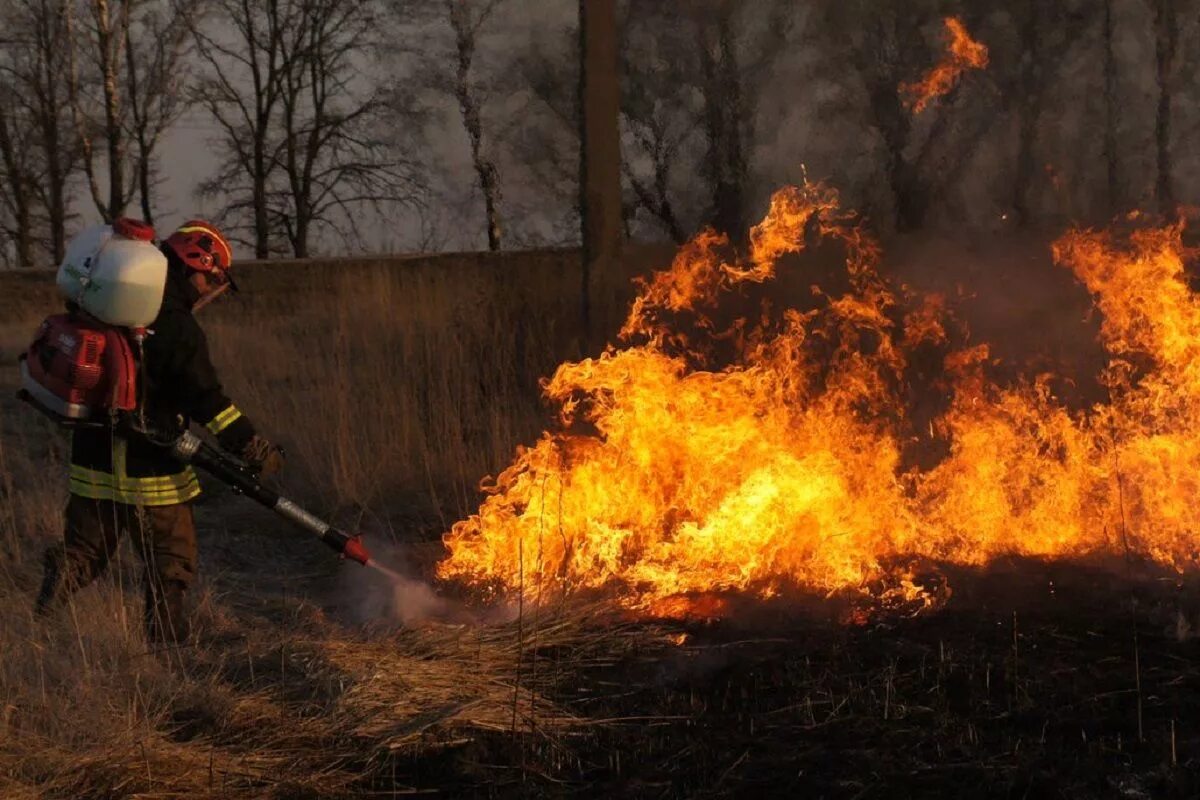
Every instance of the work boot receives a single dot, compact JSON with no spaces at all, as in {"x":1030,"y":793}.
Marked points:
{"x":167,"y":620}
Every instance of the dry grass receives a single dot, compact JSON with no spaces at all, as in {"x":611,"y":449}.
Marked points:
{"x":395,"y":389}
{"x":394,"y":384}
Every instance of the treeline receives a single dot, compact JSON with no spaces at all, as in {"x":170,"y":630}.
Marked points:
{"x":91,"y":87}
{"x":1087,"y":109}
{"x":344,"y":125}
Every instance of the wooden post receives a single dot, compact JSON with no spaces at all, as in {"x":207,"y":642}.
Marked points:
{"x":600,"y":145}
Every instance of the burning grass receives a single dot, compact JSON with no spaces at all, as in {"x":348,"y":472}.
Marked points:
{"x":394,"y":390}
{"x":767,"y":451}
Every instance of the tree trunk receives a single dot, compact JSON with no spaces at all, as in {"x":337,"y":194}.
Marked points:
{"x":54,"y":41}
{"x":879,"y":60}
{"x":303,"y":224}
{"x":1166,"y":37}
{"x":726,"y":97}
{"x":144,"y":191}
{"x":485,"y":169}
{"x":112,"y":43}
{"x":19,"y":191}
{"x":489,"y":182}
{"x":56,"y":180}
{"x":140,"y":123}
{"x":658,"y":200}
{"x":600,"y":144}
{"x":300,"y":245}
{"x":262,"y":220}
{"x":23,"y":221}
{"x":22,"y":233}
{"x":909,"y":194}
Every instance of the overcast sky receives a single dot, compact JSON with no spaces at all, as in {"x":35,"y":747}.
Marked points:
{"x":188,"y":153}
{"x":811,"y":120}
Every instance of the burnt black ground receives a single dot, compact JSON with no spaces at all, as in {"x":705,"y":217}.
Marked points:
{"x":1025,"y":685}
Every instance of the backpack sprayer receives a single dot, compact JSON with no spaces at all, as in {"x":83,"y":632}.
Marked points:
{"x":81,"y":370}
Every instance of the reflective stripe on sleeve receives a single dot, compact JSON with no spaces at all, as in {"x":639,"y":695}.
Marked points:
{"x":223,"y":420}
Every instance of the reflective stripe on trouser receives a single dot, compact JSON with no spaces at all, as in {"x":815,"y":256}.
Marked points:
{"x":223,"y":420}
{"x":119,"y":487}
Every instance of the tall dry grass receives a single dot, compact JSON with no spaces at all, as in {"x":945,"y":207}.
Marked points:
{"x":395,"y":388}
{"x":400,"y":388}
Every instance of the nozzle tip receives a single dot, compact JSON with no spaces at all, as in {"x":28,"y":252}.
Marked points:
{"x":356,"y":551}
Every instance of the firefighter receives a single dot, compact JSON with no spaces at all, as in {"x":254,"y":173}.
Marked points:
{"x":134,"y":488}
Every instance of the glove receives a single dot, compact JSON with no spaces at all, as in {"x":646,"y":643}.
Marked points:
{"x":262,"y":456}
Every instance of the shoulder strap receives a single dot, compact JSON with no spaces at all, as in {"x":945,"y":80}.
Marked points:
{"x":121,"y":369}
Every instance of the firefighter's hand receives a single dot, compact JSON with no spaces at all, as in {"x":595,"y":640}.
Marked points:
{"x":262,"y":456}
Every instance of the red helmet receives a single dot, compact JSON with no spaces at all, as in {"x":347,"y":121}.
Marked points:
{"x":200,"y":246}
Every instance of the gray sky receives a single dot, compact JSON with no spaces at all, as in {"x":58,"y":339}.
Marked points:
{"x":810,"y":121}
{"x":188,"y":155}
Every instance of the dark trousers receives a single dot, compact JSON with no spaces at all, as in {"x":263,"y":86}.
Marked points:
{"x":165,"y":538}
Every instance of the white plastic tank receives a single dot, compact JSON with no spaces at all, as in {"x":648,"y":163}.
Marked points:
{"x":119,"y":279}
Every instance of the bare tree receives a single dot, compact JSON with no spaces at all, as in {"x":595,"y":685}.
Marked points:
{"x":466,"y":26}
{"x":102,"y":34}
{"x":38,"y":138}
{"x":1030,"y":92}
{"x":452,"y":61}
{"x":19,"y":174}
{"x":656,"y":138}
{"x":156,"y":75}
{"x":887,"y":44}
{"x":922,"y":161}
{"x":692,"y":77}
{"x":50,"y":103}
{"x":303,"y":152}
{"x":128,"y":62}
{"x":241,"y":89}
{"x":660,"y":114}
{"x":725,"y":116}
{"x":1049,"y":30}
{"x":336,"y":159}
{"x":547,"y":143}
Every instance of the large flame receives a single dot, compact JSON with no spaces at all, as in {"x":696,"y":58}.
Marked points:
{"x":709,"y":455}
{"x":963,"y":54}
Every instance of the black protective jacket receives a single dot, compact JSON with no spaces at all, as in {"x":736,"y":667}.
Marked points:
{"x":179,"y":386}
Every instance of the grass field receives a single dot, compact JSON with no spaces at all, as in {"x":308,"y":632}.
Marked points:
{"x":395,"y":388}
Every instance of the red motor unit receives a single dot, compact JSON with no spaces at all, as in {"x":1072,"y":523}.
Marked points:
{"x":77,"y":370}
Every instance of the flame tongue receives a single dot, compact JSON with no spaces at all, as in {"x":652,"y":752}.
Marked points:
{"x":751,"y":476}
{"x":782,"y":468}
{"x":963,"y":54}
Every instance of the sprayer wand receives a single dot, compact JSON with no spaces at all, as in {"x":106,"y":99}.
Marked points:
{"x":191,"y":449}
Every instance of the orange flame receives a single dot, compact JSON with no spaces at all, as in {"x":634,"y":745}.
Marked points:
{"x":671,"y":476}
{"x":964,"y":53}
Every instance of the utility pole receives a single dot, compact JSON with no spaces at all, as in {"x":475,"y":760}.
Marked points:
{"x":600,"y":145}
